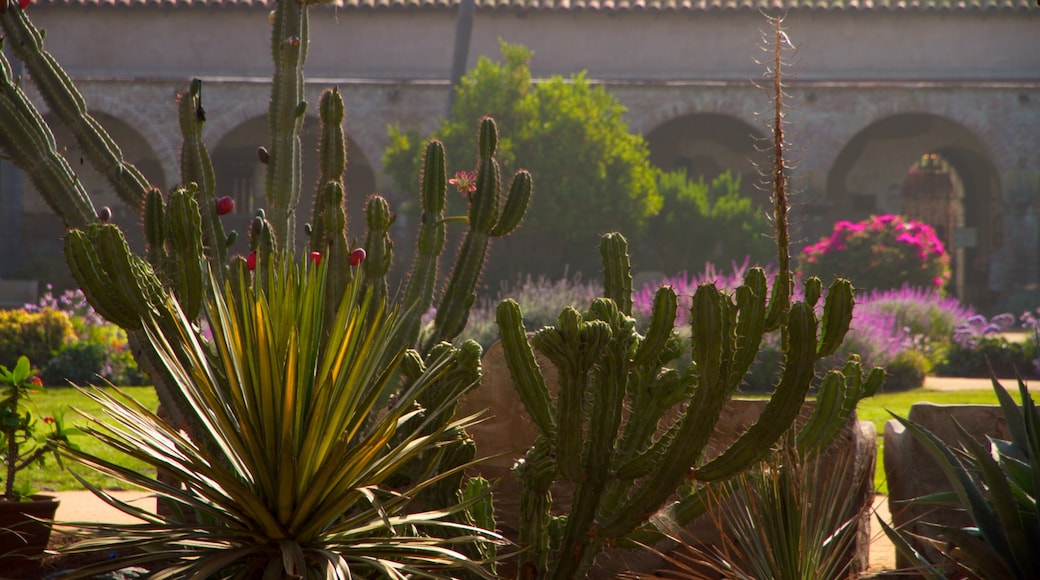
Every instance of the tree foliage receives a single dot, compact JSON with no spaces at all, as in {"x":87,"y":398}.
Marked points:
{"x":593,"y":174}
{"x":704,"y":222}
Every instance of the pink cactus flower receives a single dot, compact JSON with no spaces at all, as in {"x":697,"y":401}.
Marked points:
{"x":464,"y":181}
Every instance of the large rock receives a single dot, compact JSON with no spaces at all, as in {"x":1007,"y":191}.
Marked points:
{"x":911,"y":471}
{"x":509,"y":432}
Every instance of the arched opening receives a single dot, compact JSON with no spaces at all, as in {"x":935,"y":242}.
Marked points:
{"x":239,"y":174}
{"x":933,"y":193}
{"x":41,"y":232}
{"x":936,"y":171}
{"x":708,"y":144}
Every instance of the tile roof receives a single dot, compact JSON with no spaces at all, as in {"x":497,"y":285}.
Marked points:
{"x":939,"y":6}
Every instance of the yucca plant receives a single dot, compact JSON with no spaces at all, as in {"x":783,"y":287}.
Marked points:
{"x":998,"y":486}
{"x":299,"y":484}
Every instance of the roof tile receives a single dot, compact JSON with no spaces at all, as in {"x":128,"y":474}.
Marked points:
{"x":614,"y":5}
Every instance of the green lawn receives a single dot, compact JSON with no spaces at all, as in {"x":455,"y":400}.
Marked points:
{"x":52,"y":477}
{"x":876,"y":409}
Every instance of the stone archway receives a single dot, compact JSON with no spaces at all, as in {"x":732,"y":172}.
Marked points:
{"x":40,"y":231}
{"x":882,"y":170}
{"x":708,"y":144}
{"x":240,"y":174}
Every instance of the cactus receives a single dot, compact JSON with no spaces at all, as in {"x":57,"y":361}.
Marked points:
{"x":629,"y":426}
{"x":622,"y":471}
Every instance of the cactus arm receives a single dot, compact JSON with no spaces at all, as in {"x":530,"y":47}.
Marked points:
{"x":287,"y":109}
{"x":530,"y":384}
{"x":483,"y":212}
{"x":332,"y":160}
{"x":28,"y":142}
{"x":617,"y":271}
{"x":378,"y":245}
{"x":334,"y":248}
{"x":694,"y":427}
{"x":608,"y":395}
{"x":751,"y":317}
{"x":662,"y":323}
{"x":329,"y":223}
{"x":520,"y":191}
{"x":837,"y":316}
{"x":418,"y":295}
{"x":562,"y":346}
{"x":829,"y":410}
{"x":68,"y":106}
{"x":98,"y":287}
{"x":185,"y":222}
{"x":196,"y":168}
{"x":535,"y":473}
{"x":154,"y":221}
{"x":782,"y":408}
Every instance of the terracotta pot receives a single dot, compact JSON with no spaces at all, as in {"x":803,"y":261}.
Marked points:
{"x":22,"y":538}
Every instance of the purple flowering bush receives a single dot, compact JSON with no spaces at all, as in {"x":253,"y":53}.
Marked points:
{"x":881,"y":253}
{"x":980,"y":344}
{"x":542,"y":300}
{"x":99,"y":348}
{"x":686,"y":284}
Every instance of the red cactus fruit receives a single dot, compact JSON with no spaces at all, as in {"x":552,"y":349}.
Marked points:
{"x":225,"y":205}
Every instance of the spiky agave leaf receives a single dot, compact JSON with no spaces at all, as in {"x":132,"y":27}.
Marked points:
{"x":297,"y":484}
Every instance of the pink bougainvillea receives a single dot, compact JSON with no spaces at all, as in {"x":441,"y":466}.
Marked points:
{"x":880,"y":253}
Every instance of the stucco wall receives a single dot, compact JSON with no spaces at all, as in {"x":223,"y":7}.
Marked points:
{"x":165,"y":42}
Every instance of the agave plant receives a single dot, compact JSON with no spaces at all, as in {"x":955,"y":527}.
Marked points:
{"x":299,"y":485}
{"x":998,"y":486}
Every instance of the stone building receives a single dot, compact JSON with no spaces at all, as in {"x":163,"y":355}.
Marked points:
{"x":924,"y":107}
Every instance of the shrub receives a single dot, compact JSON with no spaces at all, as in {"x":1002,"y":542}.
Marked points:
{"x":906,"y":371}
{"x":685,"y":285}
{"x":881,"y":253}
{"x":79,"y":362}
{"x":702,"y":223}
{"x":593,"y":175}
{"x":36,"y":335}
{"x":923,"y":314}
{"x":98,"y":348}
{"x":543,"y":300}
{"x":979,"y":345}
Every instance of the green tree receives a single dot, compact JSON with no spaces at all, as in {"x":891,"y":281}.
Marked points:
{"x":594,"y":175}
{"x":701,"y":222}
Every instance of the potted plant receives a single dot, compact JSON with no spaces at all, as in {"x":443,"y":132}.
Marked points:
{"x":25,"y":517}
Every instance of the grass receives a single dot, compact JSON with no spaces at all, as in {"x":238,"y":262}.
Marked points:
{"x":876,"y":410}
{"x":53,"y":477}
